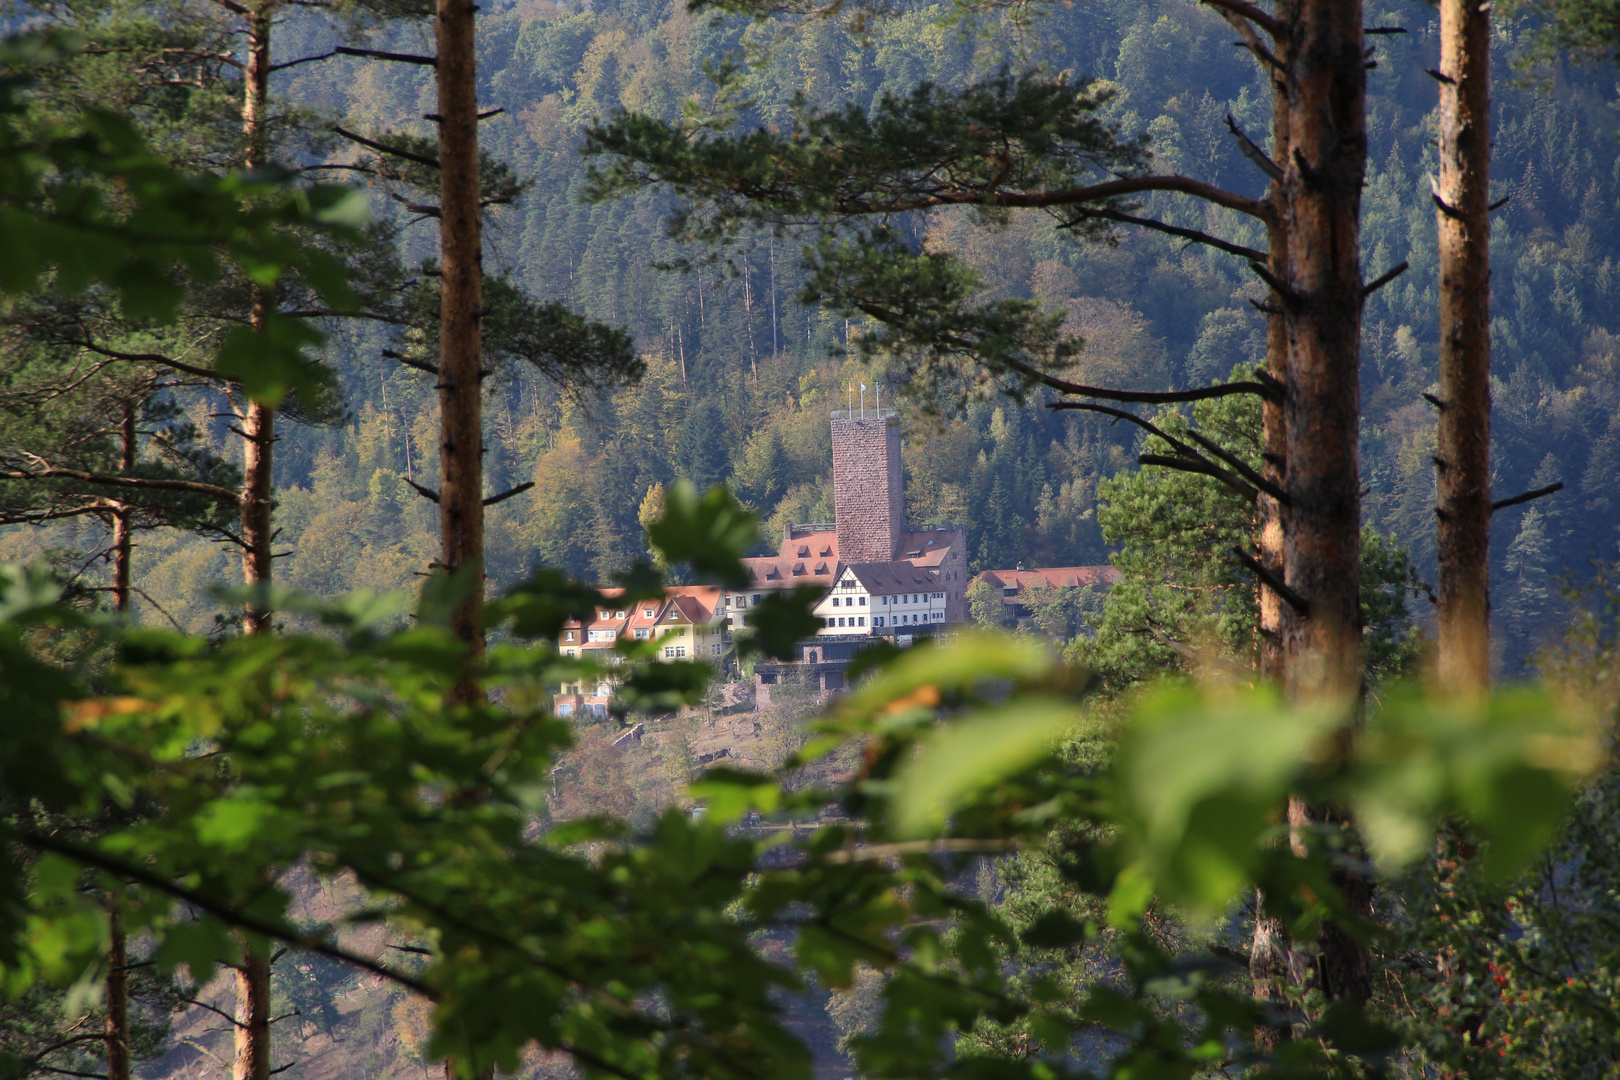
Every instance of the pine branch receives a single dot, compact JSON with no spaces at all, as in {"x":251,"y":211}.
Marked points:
{"x":383,"y":148}
{"x":1193,"y":235}
{"x":1239,"y":466}
{"x":1188,"y":454}
{"x":1253,"y":152}
{"x":1503,"y":504}
{"x":1241,"y":9}
{"x":503,"y":496}
{"x":194,"y":487}
{"x":1384,"y":279}
{"x":1273,"y":582}
{"x":1108,"y":189}
{"x":380,"y":54}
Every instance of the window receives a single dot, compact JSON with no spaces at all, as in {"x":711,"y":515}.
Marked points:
{"x":835,"y":601}
{"x":877,"y":620}
{"x":641,"y":635}
{"x":756,"y":597}
{"x":740,"y":601}
{"x":647,"y":612}
{"x":840,"y":621}
{"x":863,"y":620}
{"x":618,"y":614}
{"x":568,"y":636}
{"x":675,"y":652}
{"x":717,"y":648}
{"x":863,"y":601}
{"x":570,"y":652}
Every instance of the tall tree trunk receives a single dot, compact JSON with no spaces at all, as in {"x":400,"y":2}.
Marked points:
{"x":258,"y":444}
{"x":1323,"y":177}
{"x":252,"y":1017}
{"x":258,"y":420}
{"x":461,"y":491}
{"x":1464,"y":450}
{"x":117,"y":1037}
{"x":123,"y":544}
{"x":1268,"y":950}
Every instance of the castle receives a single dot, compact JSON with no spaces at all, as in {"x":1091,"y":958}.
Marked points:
{"x":882,"y":579}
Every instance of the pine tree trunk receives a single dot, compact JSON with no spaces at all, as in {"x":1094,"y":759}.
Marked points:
{"x":258,"y":428}
{"x":1268,"y":951}
{"x":1464,"y":447}
{"x":123,"y":545}
{"x":117,"y":1000}
{"x":461,"y":491}
{"x":258,"y":443}
{"x":1324,"y":172}
{"x":252,"y":1017}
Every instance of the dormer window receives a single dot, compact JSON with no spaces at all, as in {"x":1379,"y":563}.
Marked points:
{"x":647,"y":613}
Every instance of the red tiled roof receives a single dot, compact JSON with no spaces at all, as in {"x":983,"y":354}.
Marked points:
{"x":1060,"y":576}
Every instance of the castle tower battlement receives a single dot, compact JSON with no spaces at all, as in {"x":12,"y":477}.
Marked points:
{"x":868,"y":498}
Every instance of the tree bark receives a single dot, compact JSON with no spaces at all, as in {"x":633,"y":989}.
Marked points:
{"x":117,"y":1000}
{"x":258,"y":445}
{"x":1323,"y":177}
{"x":461,"y":491}
{"x":123,"y":545}
{"x":1464,"y":445}
{"x":258,"y":420}
{"x":1268,"y":951}
{"x":252,"y":1017}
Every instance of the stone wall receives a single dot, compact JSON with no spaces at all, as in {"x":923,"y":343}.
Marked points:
{"x":867,"y":494}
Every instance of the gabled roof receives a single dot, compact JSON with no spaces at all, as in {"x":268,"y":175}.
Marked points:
{"x":695,"y":603}
{"x":1058,"y":576}
{"x":887,"y":579}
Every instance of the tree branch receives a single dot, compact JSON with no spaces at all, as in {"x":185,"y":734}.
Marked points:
{"x":503,"y":496}
{"x":408,"y":362}
{"x":1503,"y":504}
{"x":1273,"y":582}
{"x":1204,"y":465}
{"x":1243,"y":10}
{"x":379,"y":54}
{"x":383,"y":148}
{"x":89,"y":856}
{"x":1253,"y":152}
{"x":217,"y":1012}
{"x":145,"y":358}
{"x":1239,"y":466}
{"x":1383,"y":279}
{"x":1174,"y":230}
{"x":194,"y":487}
{"x":1200,"y":467}
{"x":302,"y":60}
{"x":426,"y":493}
{"x":1109,"y":189}
{"x":1140,"y":397}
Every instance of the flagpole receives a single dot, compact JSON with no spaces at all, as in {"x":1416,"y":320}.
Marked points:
{"x":863,"y":401}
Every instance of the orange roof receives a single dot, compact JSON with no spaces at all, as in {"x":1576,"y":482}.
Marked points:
{"x":1059,"y":576}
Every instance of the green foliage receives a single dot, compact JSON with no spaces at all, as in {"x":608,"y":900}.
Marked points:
{"x":56,"y":219}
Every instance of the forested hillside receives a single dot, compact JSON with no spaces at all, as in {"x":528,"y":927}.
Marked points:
{"x":740,"y":376}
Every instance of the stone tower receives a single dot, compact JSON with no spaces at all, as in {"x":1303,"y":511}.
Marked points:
{"x":867,"y":496}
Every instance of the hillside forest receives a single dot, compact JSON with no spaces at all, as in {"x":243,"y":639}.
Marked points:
{"x":355,"y":840}
{"x":739,"y":377}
